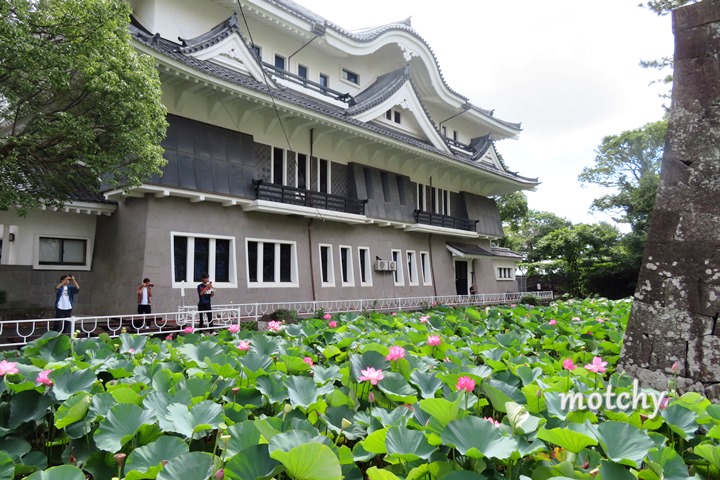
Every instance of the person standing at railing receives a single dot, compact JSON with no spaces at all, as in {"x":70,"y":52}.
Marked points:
{"x":205,"y":293}
{"x":64,"y":301}
{"x":144,"y":294}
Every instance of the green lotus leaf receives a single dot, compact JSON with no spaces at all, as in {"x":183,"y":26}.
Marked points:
{"x":28,"y":406}
{"x":295,"y":364}
{"x":478,"y":438}
{"x":150,"y":458}
{"x":288,"y":440}
{"x":567,"y":439}
{"x":101,"y":465}
{"x":198,"y":387}
{"x":67,"y":382}
{"x":132,"y":343}
{"x":623,"y":443}
{"x":375,"y":442}
{"x":331,"y":351}
{"x":681,"y":420}
{"x":7,"y":466}
{"x":428,"y":383}
{"x":242,"y":435}
{"x":614,"y":471}
{"x":711,"y":453}
{"x":51,"y":347}
{"x":528,"y":375}
{"x":501,"y":393}
{"x":73,"y":409}
{"x":120,"y":426}
{"x":188,"y":466}
{"x":442,"y":412}
{"x":667,"y":464}
{"x":310,"y":461}
{"x":520,"y":419}
{"x":407,"y":445}
{"x":255,"y":364}
{"x":63,"y":472}
{"x":266,"y":346}
{"x":397,"y":389}
{"x":464,"y":475}
{"x":252,"y":463}
{"x":126,"y":394}
{"x":375,"y":473}
{"x":302,"y":391}
{"x":326,"y":374}
{"x":195,"y":422}
{"x":273,"y":387}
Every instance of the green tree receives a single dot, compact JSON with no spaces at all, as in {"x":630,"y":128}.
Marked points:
{"x":524,"y":236}
{"x":73,"y":92}
{"x":629,"y":163}
{"x":513,"y":208}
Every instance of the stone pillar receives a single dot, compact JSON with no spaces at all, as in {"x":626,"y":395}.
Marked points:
{"x":675,"y":313}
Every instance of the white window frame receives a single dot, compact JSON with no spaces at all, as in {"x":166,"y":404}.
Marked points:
{"x":411,"y":260}
{"x":505,"y":272}
{"x":331,"y":268}
{"x":349,"y":262}
{"x":284,"y":167}
{"x":307,"y":71}
{"x":425,"y":268}
{"x":297,"y":169}
{"x":285,"y":61}
{"x":293,"y":283}
{"x":327,"y":80}
{"x":81,"y":268}
{"x":368,"y":267}
{"x":421,"y":188}
{"x":344,"y":74}
{"x":190,"y":261}
{"x":398,"y":278}
{"x":329,"y":174}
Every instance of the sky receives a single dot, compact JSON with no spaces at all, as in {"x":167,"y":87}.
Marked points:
{"x":567,"y":69}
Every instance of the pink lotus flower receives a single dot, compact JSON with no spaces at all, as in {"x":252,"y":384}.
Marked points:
{"x":465,"y":383}
{"x":675,"y":368}
{"x":371,"y":397}
{"x":512,"y":305}
{"x":597,"y":365}
{"x":433,"y":340}
{"x":568,"y":364}
{"x":600,"y":319}
{"x":220,"y":474}
{"x":43,"y":378}
{"x":424,"y":319}
{"x":308,"y":360}
{"x":234,"y":328}
{"x":244,"y":345}
{"x":395,"y":353}
{"x":493,"y":421}
{"x":552,"y":322}
{"x":327,"y":316}
{"x":169,"y":337}
{"x":393,"y":313}
{"x":332,"y":324}
{"x":575,"y":319}
{"x":664,"y":403}
{"x":188,"y":329}
{"x":131,"y":350}
{"x":274,"y":326}
{"x":371,"y":375}
{"x":8,"y":368}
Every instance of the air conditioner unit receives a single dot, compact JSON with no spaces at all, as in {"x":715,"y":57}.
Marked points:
{"x":392,"y":266}
{"x":381,"y":265}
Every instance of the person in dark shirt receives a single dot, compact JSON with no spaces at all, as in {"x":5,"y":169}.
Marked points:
{"x":205,"y":293}
{"x":64,"y":301}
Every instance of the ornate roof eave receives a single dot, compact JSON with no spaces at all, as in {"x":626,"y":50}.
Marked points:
{"x":369,"y":131}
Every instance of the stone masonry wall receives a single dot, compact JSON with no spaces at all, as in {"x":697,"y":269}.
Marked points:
{"x":674,"y":317}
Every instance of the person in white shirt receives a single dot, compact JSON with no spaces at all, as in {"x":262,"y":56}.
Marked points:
{"x":64,"y":301}
{"x":144,"y":294}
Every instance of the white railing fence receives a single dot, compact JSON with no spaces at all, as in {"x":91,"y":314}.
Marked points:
{"x":14,"y":333}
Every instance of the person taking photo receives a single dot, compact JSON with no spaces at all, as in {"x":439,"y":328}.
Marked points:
{"x":64,"y":301}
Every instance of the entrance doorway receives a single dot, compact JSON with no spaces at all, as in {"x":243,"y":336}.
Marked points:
{"x":461,"y":277}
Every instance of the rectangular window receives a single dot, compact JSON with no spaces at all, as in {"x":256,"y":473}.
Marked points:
{"x":279,"y":62}
{"x":327,"y":275}
{"x":302,"y":71}
{"x":385,"y":186}
{"x":455,"y":135}
{"x":505,"y":273}
{"x":398,"y":273}
{"x":257,"y":51}
{"x":302,"y":171}
{"x":271,"y":263}
{"x":351,"y":77}
{"x":397,"y":116}
{"x":346,"y":267}
{"x":62,"y":251}
{"x":425,"y":268}
{"x":411,"y":268}
{"x":420,"y":197}
{"x":365,"y":267}
{"x":324,"y":80}
{"x":388,"y":115}
{"x":195,"y":254}
{"x":444,"y":131}
{"x":278,"y":166}
{"x":324,"y":176}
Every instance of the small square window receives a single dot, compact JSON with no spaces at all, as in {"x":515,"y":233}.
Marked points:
{"x":302,"y":71}
{"x":257,"y":51}
{"x":351,"y":77}
{"x":388,"y":114}
{"x":397,"y":117}
{"x":279,"y":62}
{"x":324,"y":80}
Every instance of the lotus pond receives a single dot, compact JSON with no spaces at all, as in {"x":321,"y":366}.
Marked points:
{"x":445,"y":394}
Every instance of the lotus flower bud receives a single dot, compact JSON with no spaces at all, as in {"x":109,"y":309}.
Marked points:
{"x":345,"y":423}
{"x":288,"y":408}
{"x":120,"y":458}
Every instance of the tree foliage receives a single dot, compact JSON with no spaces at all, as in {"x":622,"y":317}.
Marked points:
{"x":73,"y":91}
{"x":629,"y":163}
{"x":513,"y":208}
{"x":663,"y":7}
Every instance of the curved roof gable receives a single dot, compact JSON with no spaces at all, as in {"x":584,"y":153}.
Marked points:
{"x":225,"y":45}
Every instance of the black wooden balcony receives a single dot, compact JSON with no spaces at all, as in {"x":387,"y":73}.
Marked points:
{"x":446,"y":221}
{"x":282,"y":73}
{"x":307,"y":198}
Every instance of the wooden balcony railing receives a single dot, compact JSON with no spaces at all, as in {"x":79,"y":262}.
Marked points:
{"x":438,"y":220}
{"x":343,"y":97}
{"x":307,"y":198}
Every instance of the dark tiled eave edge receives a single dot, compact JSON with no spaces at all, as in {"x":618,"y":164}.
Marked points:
{"x":373,"y":33}
{"x":172,"y":51}
{"x":382,"y":89}
{"x":470,"y":249}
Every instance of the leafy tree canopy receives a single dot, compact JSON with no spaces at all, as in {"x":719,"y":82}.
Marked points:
{"x":629,"y":163}
{"x":73,"y":91}
{"x":513,"y":208}
{"x":663,"y":7}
